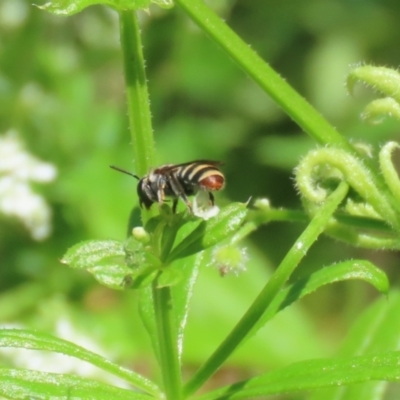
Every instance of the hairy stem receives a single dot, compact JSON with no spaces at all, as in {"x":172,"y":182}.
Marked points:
{"x":168,"y":351}
{"x":137,"y":96}
{"x":296,"y":106}
{"x":271,"y":289}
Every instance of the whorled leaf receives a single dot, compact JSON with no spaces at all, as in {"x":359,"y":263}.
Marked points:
{"x":313,"y":374}
{"x":353,"y":269}
{"x":25,"y":384}
{"x":209,"y":233}
{"x":70,"y":7}
{"x":90,"y":253}
{"x":146,"y":312}
{"x":105,"y":259}
{"x":377,"y":330}
{"x":117,"y":277}
{"x":181,"y":291}
{"x":25,"y":339}
{"x":117,"y":265}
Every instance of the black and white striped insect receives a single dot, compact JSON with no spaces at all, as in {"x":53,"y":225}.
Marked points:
{"x":179,"y":181}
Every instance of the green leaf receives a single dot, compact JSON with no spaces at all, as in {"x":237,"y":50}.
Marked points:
{"x":146,"y":312}
{"x":25,"y":384}
{"x":114,"y":264}
{"x":181,"y":292}
{"x":91,"y":253}
{"x":376,"y":331}
{"x":70,"y":7}
{"x":208,"y":233}
{"x":117,"y":277}
{"x":353,"y":269}
{"x":39,"y":341}
{"x":279,"y":343}
{"x":168,"y":236}
{"x":307,"y":375}
{"x":104,"y":259}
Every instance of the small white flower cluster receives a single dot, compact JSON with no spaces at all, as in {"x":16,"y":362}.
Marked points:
{"x":17,"y":169}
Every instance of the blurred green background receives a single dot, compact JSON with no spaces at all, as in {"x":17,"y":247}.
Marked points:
{"x":62,"y":91}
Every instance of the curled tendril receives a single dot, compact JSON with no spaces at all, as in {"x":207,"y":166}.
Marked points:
{"x":322,"y":168}
{"x":388,"y":170}
{"x":384,"y":80}
{"x":370,"y":200}
{"x":376,"y":110}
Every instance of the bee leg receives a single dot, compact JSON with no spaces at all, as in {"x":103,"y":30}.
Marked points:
{"x":160,"y":192}
{"x":186,"y":201}
{"x":211,"y":196}
{"x":179,"y":192}
{"x":174,"y":205}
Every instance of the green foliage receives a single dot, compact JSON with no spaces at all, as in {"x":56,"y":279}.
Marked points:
{"x":350,"y":191}
{"x":39,"y":341}
{"x":209,"y":233}
{"x":22,"y":384}
{"x":70,"y":7}
{"x":315,"y":374}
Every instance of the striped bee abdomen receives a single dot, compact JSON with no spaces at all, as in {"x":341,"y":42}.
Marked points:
{"x":206,"y":176}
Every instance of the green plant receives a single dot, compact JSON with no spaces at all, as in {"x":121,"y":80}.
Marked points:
{"x":162,"y":259}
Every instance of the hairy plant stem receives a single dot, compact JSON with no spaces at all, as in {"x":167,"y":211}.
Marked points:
{"x":271,"y":289}
{"x":296,"y":106}
{"x":168,"y":351}
{"x":137,"y":97}
{"x":143,"y":147}
{"x":291,"y":102}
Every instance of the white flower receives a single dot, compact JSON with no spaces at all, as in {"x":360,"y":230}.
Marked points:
{"x":17,"y":169}
{"x":202,"y":207}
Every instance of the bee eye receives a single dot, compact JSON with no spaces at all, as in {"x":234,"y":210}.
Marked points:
{"x":213,"y":182}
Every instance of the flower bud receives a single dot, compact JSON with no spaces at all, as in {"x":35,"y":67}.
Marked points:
{"x":230,"y":259}
{"x":140,"y":235}
{"x":262,"y":204}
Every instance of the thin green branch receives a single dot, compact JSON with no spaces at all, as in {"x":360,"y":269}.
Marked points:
{"x":271,"y":289}
{"x":167,"y":335}
{"x":291,"y":102}
{"x":295,"y":105}
{"x":137,"y":96}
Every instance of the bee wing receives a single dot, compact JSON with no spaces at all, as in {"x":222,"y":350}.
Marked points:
{"x":164,"y":169}
{"x":208,"y":162}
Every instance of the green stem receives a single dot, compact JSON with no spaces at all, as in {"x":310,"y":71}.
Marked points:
{"x":137,"y":96}
{"x":168,"y":351}
{"x":295,"y":105}
{"x":271,"y":289}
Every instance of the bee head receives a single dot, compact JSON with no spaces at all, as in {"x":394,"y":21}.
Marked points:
{"x":145,"y":194}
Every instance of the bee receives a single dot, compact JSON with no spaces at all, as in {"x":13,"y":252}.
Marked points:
{"x":178,"y":181}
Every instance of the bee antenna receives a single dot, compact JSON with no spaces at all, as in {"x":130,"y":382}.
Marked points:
{"x":124,"y":171}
